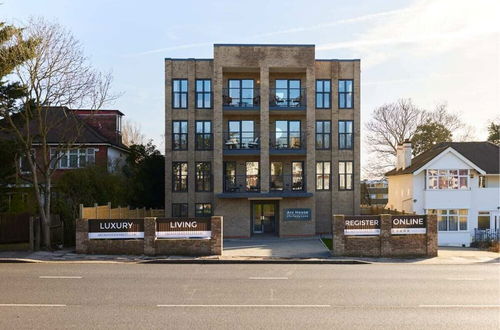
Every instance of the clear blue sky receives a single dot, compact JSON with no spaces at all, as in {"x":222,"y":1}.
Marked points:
{"x":431,"y":51}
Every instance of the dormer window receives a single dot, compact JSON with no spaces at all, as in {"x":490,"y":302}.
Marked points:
{"x":119,"y":123}
{"x":447,"y":179}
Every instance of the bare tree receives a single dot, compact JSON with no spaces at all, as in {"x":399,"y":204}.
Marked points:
{"x":131,"y":133}
{"x":57,"y":76}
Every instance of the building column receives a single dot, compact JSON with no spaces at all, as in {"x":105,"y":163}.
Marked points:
{"x":217,"y":127}
{"x":264,"y":129}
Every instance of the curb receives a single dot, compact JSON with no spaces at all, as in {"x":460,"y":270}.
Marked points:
{"x":256,"y":261}
{"x":18,"y":261}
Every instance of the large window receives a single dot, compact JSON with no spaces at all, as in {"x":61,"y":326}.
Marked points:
{"x":230,"y":183}
{"x":298,"y":176}
{"x":241,"y":93}
{"x":483,"y":220}
{"x":252,"y":176}
{"x":73,"y":158}
{"x":323,"y":134}
{"x":203,"y":135}
{"x":179,"y":210}
{"x":323,"y":174}
{"x":276,"y":176}
{"x":287,"y":135}
{"x":323,"y":94}
{"x":447,"y":179}
{"x":203,"y":210}
{"x":203,"y":177}
{"x":179,"y":93}
{"x":345,"y":175}
{"x":179,"y":135}
{"x":287,"y":93}
{"x":451,"y":220}
{"x":346,"y":138}
{"x":179,"y":176}
{"x":241,"y":135}
{"x":203,"y":94}
{"x":346,"y":95}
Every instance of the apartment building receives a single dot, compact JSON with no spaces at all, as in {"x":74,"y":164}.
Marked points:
{"x":266,"y":136}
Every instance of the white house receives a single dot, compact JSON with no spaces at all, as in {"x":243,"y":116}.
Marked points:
{"x":458,"y":181}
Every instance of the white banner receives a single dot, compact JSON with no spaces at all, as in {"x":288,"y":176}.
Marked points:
{"x":408,"y":231}
{"x":184,"y":234}
{"x":116,"y":235}
{"x":361,"y":232}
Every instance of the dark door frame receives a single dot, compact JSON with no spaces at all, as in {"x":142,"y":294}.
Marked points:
{"x":276,"y":215}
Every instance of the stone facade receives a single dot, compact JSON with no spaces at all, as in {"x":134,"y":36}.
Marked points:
{"x":264,"y":64}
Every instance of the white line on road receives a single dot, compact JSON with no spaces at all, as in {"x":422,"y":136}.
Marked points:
{"x":32,"y":305}
{"x":250,"y":306}
{"x":459,"y":306}
{"x":60,"y":277}
{"x":268,"y":278}
{"x":464,"y":279}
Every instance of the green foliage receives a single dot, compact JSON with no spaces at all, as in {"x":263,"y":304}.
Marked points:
{"x":428,"y":135}
{"x":494,"y":132}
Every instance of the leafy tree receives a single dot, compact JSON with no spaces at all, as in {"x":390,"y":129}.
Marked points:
{"x":494,"y":132}
{"x":428,"y":135}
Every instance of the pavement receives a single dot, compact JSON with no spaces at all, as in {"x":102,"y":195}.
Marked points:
{"x":263,"y":296}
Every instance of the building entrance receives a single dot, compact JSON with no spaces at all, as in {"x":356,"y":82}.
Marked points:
{"x":264,"y":217}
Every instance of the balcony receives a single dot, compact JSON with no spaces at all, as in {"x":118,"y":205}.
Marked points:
{"x":242,"y":183}
{"x":287,"y":183}
{"x":287,"y":99}
{"x":241,"y":143}
{"x":287,"y":143}
{"x":240,"y":99}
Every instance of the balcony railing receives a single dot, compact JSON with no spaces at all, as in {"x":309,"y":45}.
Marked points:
{"x":286,"y":99}
{"x":242,"y":183}
{"x":241,"y":140}
{"x":244,"y":99}
{"x":287,"y":140}
{"x":287,"y":183}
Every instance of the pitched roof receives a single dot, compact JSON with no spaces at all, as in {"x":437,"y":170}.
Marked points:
{"x":484,"y":155}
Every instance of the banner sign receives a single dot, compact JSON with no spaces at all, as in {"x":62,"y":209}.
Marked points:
{"x":183,"y":228}
{"x":362,"y":225}
{"x":297,"y":214}
{"x":116,"y":228}
{"x":408,"y":224}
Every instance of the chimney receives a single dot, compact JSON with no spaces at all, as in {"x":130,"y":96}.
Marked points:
{"x":407,"y":150}
{"x":399,"y":157}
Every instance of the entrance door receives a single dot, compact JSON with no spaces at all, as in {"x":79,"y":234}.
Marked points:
{"x":264,"y":215}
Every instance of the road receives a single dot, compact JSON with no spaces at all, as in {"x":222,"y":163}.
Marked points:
{"x":385,"y":296}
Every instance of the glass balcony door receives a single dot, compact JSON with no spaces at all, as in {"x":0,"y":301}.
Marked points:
{"x":241,"y":134}
{"x":276,"y":176}
{"x":287,"y":92}
{"x":297,"y":176}
{"x":288,"y":134}
{"x":241,"y":92}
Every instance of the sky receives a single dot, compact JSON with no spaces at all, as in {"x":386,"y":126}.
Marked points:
{"x":432,"y":51}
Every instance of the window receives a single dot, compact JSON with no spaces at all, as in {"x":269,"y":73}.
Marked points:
{"x":203,"y":94}
{"x":323,"y":94}
{"x":287,"y":93}
{"x":346,"y":97}
{"x":483,"y":220}
{"x":73,"y":158}
{"x":346,"y":139}
{"x":252,"y":176}
{"x":179,"y":93}
{"x":179,"y":135}
{"x":298,"y":176}
{"x":203,"y":179}
{"x":276,"y":176}
{"x":451,"y":220}
{"x":180,"y":176}
{"x":203,"y":135}
{"x":241,"y":93}
{"x":447,"y":179}
{"x":345,"y":175}
{"x":24,"y":166}
{"x":179,"y":210}
{"x":203,"y":210}
{"x":323,"y":134}
{"x":230,"y":184}
{"x":287,"y":135}
{"x":241,"y":135}
{"x":482,"y":181}
{"x":323,"y":171}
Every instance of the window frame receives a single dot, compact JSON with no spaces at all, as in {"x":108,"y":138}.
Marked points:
{"x":342,"y":95}
{"x":322,"y":175}
{"x":302,"y":175}
{"x":203,"y":135}
{"x":56,"y":160}
{"x":177,"y":177}
{"x":323,"y":94}
{"x":447,"y":176}
{"x":288,"y":133}
{"x":205,"y":178}
{"x":180,"y":93}
{"x":180,"y":134}
{"x":240,"y":92}
{"x":458,"y":214}
{"x":343,"y":136}
{"x":182,"y":207}
{"x":345,"y":174}
{"x":204,"y":92}
{"x":323,"y":135}
{"x":203,"y":209}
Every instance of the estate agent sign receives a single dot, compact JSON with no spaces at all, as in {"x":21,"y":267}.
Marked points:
{"x":183,"y":228}
{"x":362,"y":225}
{"x":297,"y":214}
{"x":408,"y":224}
{"x":116,"y":228}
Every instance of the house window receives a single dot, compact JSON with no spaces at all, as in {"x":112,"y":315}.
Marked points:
{"x":203,"y":179}
{"x":24,"y":165}
{"x":179,"y":135}
{"x":298,"y":176}
{"x":447,"y":179}
{"x":203,"y":94}
{"x":346,"y":96}
{"x":287,"y":93}
{"x":346,"y":138}
{"x":287,"y":134}
{"x":203,"y":210}
{"x":323,"y":134}
{"x":345,"y":175}
{"x":179,"y":93}
{"x":241,"y":93}
{"x":451,"y":220}
{"x":483,"y":220}
{"x":482,"y":181}
{"x":72,"y":158}
{"x":203,"y":135}
{"x":179,"y":176}
{"x":179,"y":210}
{"x":323,"y":94}
{"x":323,"y":172}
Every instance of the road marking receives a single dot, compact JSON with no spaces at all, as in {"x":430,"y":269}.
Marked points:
{"x":459,"y":306}
{"x":268,"y":278}
{"x":32,"y":305}
{"x":250,"y":306}
{"x":60,"y":277}
{"x":464,"y":279}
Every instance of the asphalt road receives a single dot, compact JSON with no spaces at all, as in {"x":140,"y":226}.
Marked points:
{"x":385,"y":296}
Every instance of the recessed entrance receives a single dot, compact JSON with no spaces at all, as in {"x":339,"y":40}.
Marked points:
{"x":264,"y":217}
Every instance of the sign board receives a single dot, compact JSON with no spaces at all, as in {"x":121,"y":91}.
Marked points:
{"x":408,"y":224}
{"x":297,"y":214}
{"x":183,"y":228}
{"x":362,"y":225}
{"x":116,"y":228}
